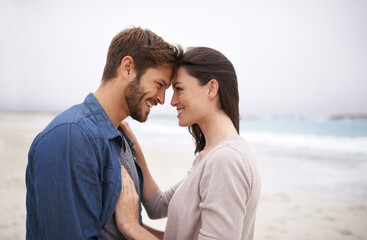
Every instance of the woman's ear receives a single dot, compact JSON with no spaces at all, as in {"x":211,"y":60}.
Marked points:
{"x":213,"y":88}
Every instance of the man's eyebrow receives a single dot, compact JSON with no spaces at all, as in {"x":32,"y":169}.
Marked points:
{"x":162,"y":82}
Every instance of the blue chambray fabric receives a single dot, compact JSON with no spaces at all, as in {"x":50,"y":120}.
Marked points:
{"x":73,"y":175}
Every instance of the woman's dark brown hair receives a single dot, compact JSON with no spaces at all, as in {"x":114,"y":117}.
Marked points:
{"x":145,"y":47}
{"x":206,"y":64}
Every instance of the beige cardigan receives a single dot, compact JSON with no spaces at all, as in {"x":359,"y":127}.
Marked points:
{"x":217,"y":200}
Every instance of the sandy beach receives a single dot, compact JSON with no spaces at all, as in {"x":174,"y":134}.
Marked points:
{"x":283,"y":214}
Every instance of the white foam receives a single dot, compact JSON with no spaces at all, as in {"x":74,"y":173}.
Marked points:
{"x":342,"y":145}
{"x":169,"y":133}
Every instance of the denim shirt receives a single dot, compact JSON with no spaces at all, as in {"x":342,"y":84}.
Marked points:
{"x":73,"y":175}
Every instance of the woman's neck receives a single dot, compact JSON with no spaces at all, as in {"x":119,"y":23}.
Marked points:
{"x":215,"y":129}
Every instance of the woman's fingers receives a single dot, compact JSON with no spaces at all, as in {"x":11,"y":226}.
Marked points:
{"x":126,"y":180}
{"x":126,"y":127}
{"x":128,"y":204}
{"x":126,"y":183}
{"x":129,"y":186}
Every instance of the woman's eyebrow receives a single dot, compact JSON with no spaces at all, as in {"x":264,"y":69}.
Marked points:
{"x":176,"y":83}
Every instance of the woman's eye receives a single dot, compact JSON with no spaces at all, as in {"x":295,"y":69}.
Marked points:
{"x":178,"y":89}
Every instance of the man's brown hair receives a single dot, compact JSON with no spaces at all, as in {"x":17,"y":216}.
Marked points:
{"x":145,"y":47}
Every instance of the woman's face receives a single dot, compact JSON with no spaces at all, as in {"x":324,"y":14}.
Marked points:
{"x":189,"y":98}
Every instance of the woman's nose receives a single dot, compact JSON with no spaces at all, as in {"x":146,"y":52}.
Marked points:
{"x":174,"y":100}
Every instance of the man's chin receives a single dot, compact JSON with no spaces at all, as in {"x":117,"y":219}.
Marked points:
{"x":140,"y":118}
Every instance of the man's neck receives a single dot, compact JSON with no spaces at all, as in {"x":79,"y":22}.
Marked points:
{"x":110,"y":95}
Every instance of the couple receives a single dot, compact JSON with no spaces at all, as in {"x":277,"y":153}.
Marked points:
{"x":87,"y":177}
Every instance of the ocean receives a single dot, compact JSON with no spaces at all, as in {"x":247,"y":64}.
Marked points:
{"x":322,"y":156}
{"x":320,"y":137}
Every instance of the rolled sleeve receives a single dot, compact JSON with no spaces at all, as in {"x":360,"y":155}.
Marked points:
{"x":67,"y":185}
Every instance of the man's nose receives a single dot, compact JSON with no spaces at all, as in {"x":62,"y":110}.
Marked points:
{"x":161,"y":97}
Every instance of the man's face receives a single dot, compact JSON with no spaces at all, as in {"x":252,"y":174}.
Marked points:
{"x":141,"y":95}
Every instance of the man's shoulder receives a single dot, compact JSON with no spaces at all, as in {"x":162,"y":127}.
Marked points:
{"x":77,"y":119}
{"x":75,"y":115}
{"x":74,"y":125}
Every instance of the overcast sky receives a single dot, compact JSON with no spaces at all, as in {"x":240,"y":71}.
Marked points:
{"x":296,"y":57}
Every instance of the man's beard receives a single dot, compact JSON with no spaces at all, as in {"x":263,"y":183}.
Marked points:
{"x":134,"y":95}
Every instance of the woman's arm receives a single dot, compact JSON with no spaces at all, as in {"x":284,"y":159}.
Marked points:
{"x":127,"y":210}
{"x":150,"y":186}
{"x":155,"y":232}
{"x":154,"y":201}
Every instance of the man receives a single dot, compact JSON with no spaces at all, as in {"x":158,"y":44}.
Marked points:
{"x":73,"y":175}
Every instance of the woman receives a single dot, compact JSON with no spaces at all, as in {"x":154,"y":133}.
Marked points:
{"x":219,"y":197}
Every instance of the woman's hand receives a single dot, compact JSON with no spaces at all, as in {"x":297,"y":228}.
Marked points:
{"x":150,"y":187}
{"x":126,"y":213}
{"x":125,"y":125}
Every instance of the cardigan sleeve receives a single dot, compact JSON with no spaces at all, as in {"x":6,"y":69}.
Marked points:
{"x":157,"y":205}
{"x":224,"y":191}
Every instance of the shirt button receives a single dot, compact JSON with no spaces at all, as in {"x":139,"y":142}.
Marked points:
{"x":116,"y":193}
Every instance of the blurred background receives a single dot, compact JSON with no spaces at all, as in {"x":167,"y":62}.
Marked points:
{"x":302,"y":72}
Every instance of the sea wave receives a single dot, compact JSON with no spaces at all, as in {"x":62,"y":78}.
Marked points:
{"x":167,"y":132}
{"x":324,"y":144}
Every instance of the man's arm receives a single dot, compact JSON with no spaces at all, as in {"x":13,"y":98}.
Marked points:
{"x":67,"y":185}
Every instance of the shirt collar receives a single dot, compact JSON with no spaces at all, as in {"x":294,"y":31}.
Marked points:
{"x":103,"y":121}
{"x":131,"y":144}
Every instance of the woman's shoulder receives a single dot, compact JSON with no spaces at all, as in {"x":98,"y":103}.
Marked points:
{"x":233,"y":145}
{"x":233,"y":159}
{"x":233,"y":149}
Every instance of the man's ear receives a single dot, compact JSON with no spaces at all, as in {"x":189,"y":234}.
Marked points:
{"x":213,"y":88}
{"x":127,"y":69}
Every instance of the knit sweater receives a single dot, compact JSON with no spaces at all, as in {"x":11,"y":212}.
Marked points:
{"x":217,"y":200}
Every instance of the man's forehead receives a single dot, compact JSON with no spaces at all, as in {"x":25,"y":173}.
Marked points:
{"x":163,"y":70}
{"x":163,"y":74}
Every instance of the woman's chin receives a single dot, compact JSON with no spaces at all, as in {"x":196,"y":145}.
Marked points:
{"x":182,"y":124}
